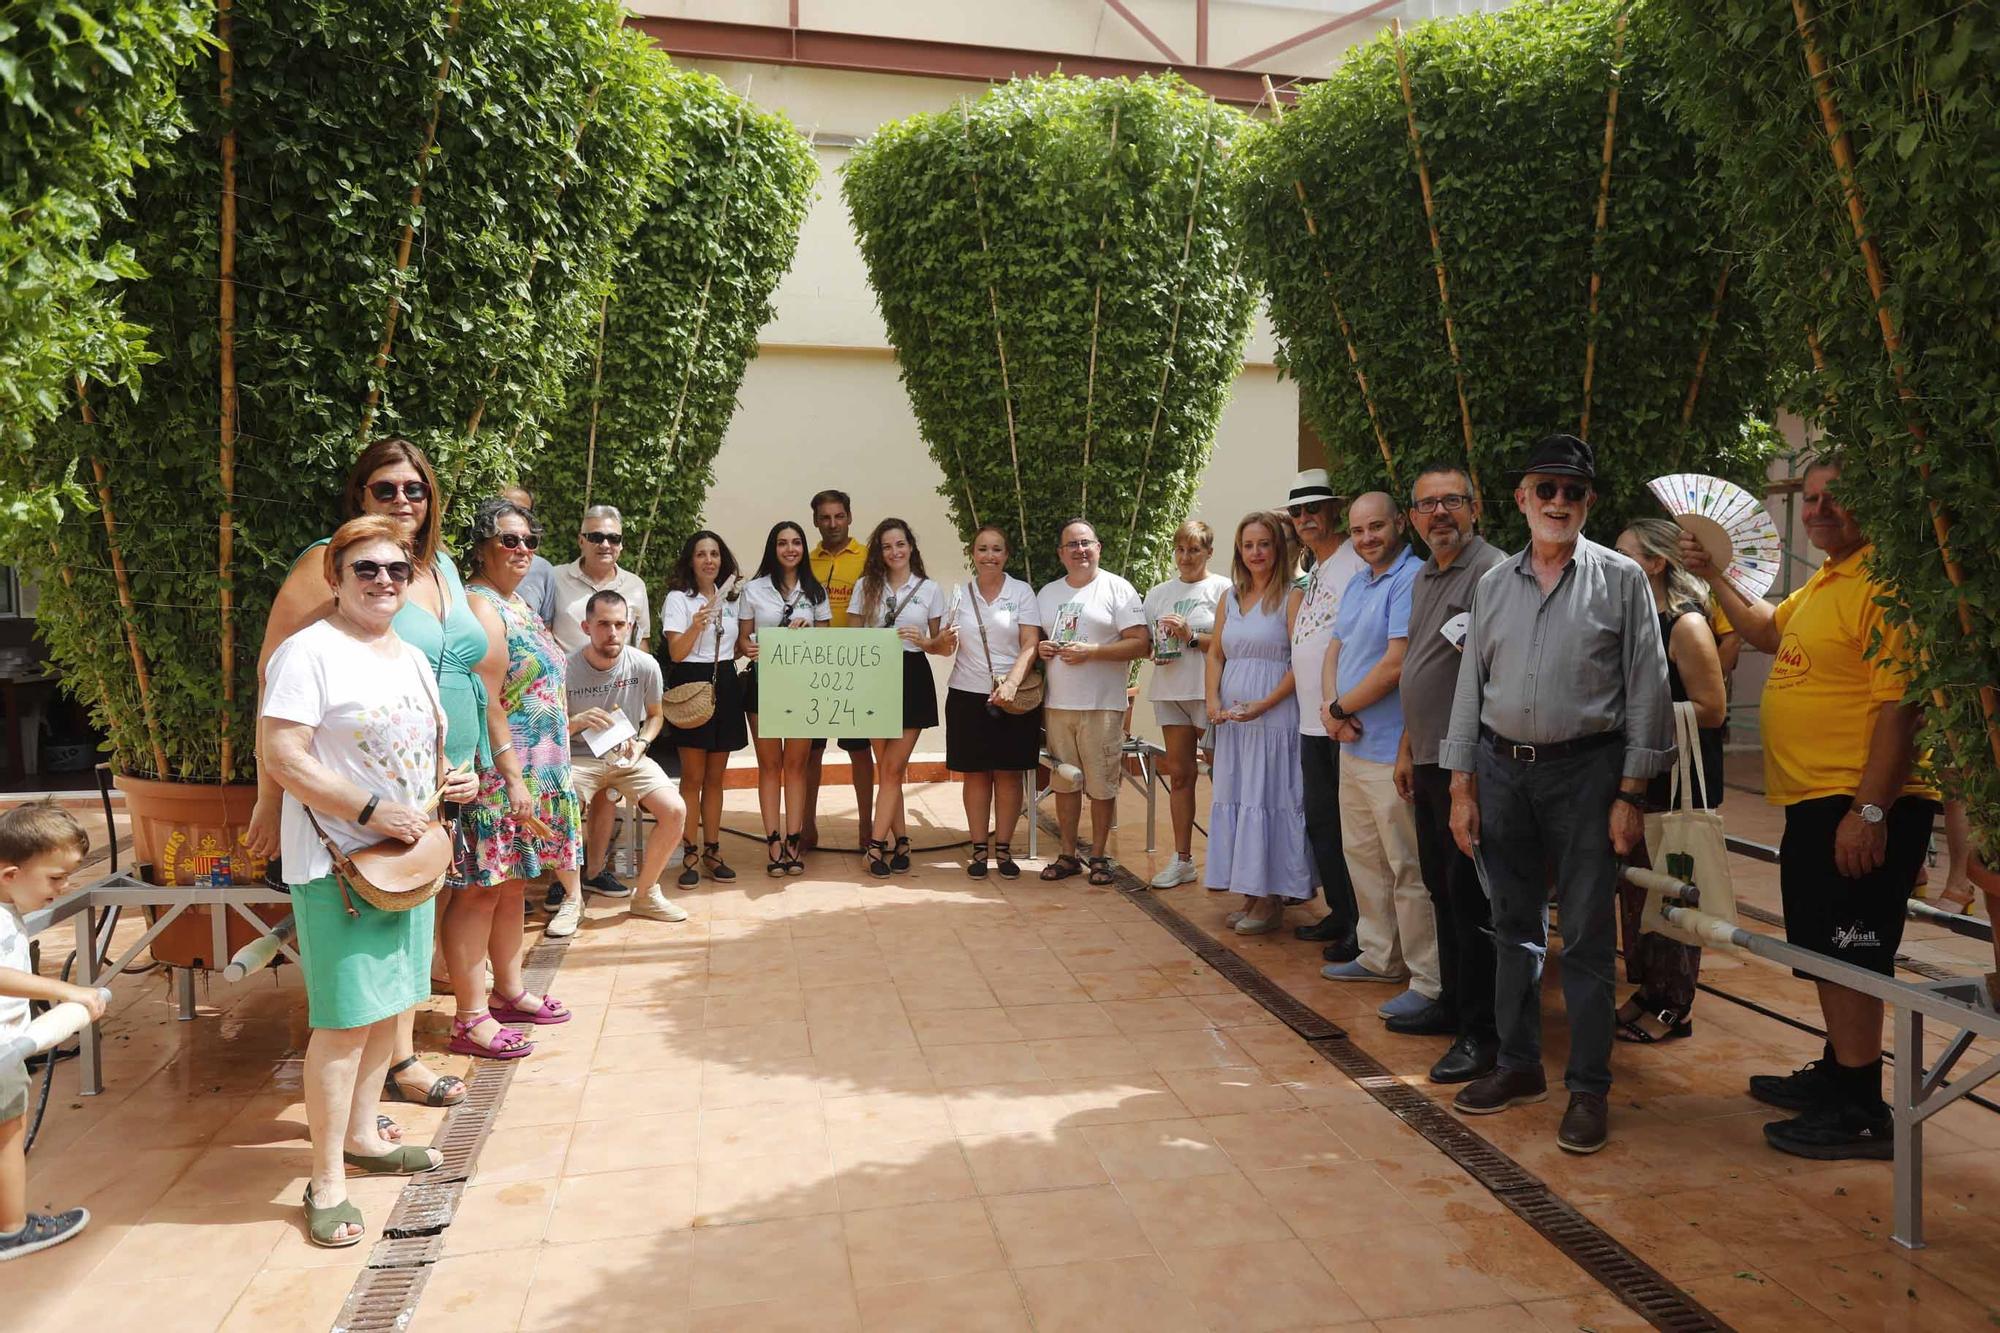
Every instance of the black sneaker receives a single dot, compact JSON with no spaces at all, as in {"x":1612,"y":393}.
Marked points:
{"x":608,"y":885}
{"x":552,"y":901}
{"x":1837,"y":1131}
{"x":1803,"y":1089}
{"x":41,"y":1232}
{"x":1323,"y":931}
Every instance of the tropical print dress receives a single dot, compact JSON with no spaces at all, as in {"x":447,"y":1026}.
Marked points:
{"x":497,"y":847}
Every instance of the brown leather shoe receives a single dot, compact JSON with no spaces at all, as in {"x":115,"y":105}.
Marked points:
{"x":1585,"y":1125}
{"x":1501,"y":1089}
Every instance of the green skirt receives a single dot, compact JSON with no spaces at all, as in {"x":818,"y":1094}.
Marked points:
{"x":359,"y":969}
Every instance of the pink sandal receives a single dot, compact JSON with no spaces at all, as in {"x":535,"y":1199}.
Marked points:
{"x":552,"y":1011}
{"x":508,"y":1044}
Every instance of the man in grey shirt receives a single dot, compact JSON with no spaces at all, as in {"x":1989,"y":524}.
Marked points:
{"x":1445,"y":511}
{"x":1560,"y":718}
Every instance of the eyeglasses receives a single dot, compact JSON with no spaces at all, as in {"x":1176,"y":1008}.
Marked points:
{"x":1450,"y":503}
{"x":1309,"y":507}
{"x":385,"y":491}
{"x":370,"y":570}
{"x":1079,"y":546}
{"x":1572,"y":491}
{"x":605,"y":538}
{"x":514,"y":541}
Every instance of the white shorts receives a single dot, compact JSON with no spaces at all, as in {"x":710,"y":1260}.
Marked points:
{"x":1182,"y":713}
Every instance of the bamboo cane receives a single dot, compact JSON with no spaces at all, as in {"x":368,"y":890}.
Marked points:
{"x":1333,"y":295}
{"x":140,"y":675}
{"x":1437,"y":251}
{"x":1892,"y":342}
{"x":404,"y":245}
{"x":1708,"y":340}
{"x":226,"y":355}
{"x":964,"y":477}
{"x":596,"y":398}
{"x":1000,"y":345}
{"x":1096,"y":310}
{"x":1603,"y":215}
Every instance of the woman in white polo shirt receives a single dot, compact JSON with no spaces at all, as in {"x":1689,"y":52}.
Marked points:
{"x":993,"y":635}
{"x":783,"y":595}
{"x":894,"y":593}
{"x":1181,"y":614}
{"x":698,"y":621}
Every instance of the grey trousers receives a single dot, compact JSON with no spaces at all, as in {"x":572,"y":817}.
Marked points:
{"x":1537,"y":820}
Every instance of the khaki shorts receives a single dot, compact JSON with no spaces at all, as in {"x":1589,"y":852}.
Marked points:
{"x":1090,"y":738}
{"x":634,"y":781}
{"x":13,"y":1091}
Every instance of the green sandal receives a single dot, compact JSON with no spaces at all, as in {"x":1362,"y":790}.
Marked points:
{"x":323,"y":1223}
{"x":404,"y":1160}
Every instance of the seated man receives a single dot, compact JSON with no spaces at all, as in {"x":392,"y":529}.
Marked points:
{"x":610,"y":682}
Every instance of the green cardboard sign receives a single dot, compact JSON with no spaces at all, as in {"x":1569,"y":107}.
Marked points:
{"x":829,"y":682}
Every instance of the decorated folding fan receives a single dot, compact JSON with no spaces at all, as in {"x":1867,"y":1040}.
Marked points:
{"x":1730,"y":523}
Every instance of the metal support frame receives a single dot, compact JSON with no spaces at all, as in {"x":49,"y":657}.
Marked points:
{"x":1147,"y":781}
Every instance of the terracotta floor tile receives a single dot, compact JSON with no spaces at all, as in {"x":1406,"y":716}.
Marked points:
{"x":725,"y":1084}
{"x":610,"y":1205}
{"x":643,"y":1141}
{"x":1482,"y":1319}
{"x":1165,"y":1015}
{"x":1018,"y":1163}
{"x":170,"y":1305}
{"x":476,"y":1293}
{"x":1334,"y":1200}
{"x":760,"y":1189}
{"x":1116,"y":1099}
{"x":929,"y":997}
{"x":558,"y":1104}
{"x":1036,"y":991}
{"x":1066,"y":1226}
{"x":1233,"y":1010}
{"x":1207,"y":1048}
{"x":1044,"y":1021}
{"x":1516,"y":1256}
{"x":919,"y":1241}
{"x":1003,"y":1108}
{"x":1439,"y":1188}
{"x":915,"y":1171}
{"x":1139,"y":983}
{"x":1370,"y":1129}
{"x":845,"y":1073}
{"x":277,"y":1301}
{"x":832,"y":1311}
{"x":1258,"y":1288}
{"x":968,"y":1303}
{"x":1882,"y":1292}
{"x":1757,"y":1223}
{"x":1396,"y":1271}
{"x":176,"y":1241}
{"x":1135,"y":1295}
{"x":1680,"y":1249}
{"x":885,"y":1117}
{"x":617,"y":1095}
{"x":1157,"y":1150}
{"x":958,"y":1027}
{"x":523,"y":1152}
{"x":1747,"y":1299}
{"x":761,"y":1131}
{"x":983,"y":1062}
{"x":500,"y":1217}
{"x":1089,"y":1057}
{"x":1600,"y":1314}
{"x":631,"y":1286}
{"x":1202,"y":1212}
{"x":1229,"y":1091}
{"x":738,"y":1265}
{"x":1273,"y":1140}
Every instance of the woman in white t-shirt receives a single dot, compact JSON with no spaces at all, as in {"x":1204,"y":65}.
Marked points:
{"x":894,"y":593}
{"x":698,"y":621}
{"x":994,"y":626}
{"x":1181,"y":616}
{"x":783,"y":595}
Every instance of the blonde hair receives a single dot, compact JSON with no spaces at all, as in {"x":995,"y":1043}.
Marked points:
{"x":1282,"y":568}
{"x":1198,"y":530}
{"x":1661,"y":539}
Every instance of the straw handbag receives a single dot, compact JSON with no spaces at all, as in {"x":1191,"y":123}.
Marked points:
{"x":693,"y":704}
{"x":1028,"y":694}
{"x":1686,"y":841}
{"x":393,"y":875}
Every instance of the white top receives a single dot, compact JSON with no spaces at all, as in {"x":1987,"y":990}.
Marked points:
{"x":373,"y":724}
{"x":1183,"y":674}
{"x":677,"y":613}
{"x":1098,"y":612}
{"x":1314,"y":627}
{"x":573,"y":591}
{"x":764,"y":606}
{"x":1004,"y":616}
{"x":917,"y":603}
{"x":13,"y":954}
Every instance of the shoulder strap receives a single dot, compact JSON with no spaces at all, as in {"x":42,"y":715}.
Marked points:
{"x":980,"y":617}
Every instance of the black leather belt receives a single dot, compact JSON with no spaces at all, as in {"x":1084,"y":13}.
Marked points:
{"x":1523,"y":753}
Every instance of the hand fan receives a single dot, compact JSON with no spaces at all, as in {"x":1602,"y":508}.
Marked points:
{"x":1730,"y":523}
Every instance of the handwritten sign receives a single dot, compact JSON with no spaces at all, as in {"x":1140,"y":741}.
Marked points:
{"x":829,"y":682}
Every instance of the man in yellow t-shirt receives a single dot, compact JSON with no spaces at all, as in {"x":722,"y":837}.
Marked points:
{"x":836,"y":563}
{"x":1840,"y":757}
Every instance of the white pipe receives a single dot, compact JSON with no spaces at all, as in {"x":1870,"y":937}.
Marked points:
{"x":258,"y":953}
{"x":58,"y":1024}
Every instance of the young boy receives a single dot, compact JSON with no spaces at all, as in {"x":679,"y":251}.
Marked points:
{"x":39,"y":845}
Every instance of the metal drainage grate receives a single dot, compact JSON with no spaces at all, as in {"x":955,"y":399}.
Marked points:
{"x":422,"y":1210}
{"x":1630,"y":1278}
{"x":381,"y":1301}
{"x":466,"y":1126}
{"x":406,"y":1251}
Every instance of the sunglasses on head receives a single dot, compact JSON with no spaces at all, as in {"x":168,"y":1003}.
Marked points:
{"x":515,"y":541}
{"x":1572,"y":491}
{"x":605,"y":538}
{"x":370,"y":570}
{"x":1309,"y":507}
{"x":385,"y":491}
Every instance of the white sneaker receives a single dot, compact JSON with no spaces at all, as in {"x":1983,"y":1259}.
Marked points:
{"x":564,"y":921}
{"x":654,"y":904}
{"x":1178,"y":871}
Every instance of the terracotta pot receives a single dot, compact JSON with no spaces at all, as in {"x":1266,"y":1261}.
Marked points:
{"x":192,"y":833}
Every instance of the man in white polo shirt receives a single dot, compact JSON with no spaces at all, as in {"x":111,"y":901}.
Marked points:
{"x":1094,"y":628}
{"x":600,"y":543}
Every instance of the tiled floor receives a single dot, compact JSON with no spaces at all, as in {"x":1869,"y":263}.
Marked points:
{"x":930,"y":1103}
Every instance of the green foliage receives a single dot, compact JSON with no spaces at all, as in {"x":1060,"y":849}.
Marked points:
{"x":1511,"y":109}
{"x":690,"y":293}
{"x":1094,"y":215}
{"x":1917,"y":84}
{"x":85,"y":88}
{"x":549,"y":125}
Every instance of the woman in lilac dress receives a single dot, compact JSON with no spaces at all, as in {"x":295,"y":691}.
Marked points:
{"x":1257,"y":822}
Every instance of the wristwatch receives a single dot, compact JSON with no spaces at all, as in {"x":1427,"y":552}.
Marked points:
{"x":1333,"y":706}
{"x":368,"y":810}
{"x":1631,"y":798}
{"x":1870,"y":814}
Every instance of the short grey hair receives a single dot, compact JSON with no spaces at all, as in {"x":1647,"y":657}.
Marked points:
{"x":604,"y":511}
{"x":486,"y":520}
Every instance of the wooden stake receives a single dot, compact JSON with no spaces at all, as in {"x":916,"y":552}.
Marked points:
{"x":964,"y":477}
{"x":1096,"y":308}
{"x":596,"y":397}
{"x":127,"y":614}
{"x":1339,"y":316}
{"x":409,"y":236}
{"x":1707,"y":340}
{"x":1437,"y":251}
{"x":1603,"y":213}
{"x":1892,"y":342}
{"x":226,"y":355}
{"x":1000,"y":345}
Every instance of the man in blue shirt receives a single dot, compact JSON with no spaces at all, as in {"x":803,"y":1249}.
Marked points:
{"x":1364,"y":712}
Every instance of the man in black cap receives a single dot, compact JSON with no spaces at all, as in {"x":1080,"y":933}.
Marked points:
{"x":1561,"y":716}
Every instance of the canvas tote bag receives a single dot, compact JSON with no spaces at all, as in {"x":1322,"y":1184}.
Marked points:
{"x":1686,"y":841}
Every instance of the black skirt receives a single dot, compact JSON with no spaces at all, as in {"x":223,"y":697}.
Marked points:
{"x":919,"y":692}
{"x":978,"y":741}
{"x":725,"y":730}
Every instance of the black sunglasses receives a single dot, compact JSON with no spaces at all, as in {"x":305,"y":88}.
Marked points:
{"x":370,"y":570}
{"x":1309,"y":507}
{"x":603,"y":538}
{"x":514,"y":541}
{"x":385,"y":491}
{"x":1572,"y":491}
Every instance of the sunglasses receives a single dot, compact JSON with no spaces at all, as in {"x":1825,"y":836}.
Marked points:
{"x":385,"y":491}
{"x":1309,"y":507}
{"x":370,"y":570}
{"x":605,"y":538}
{"x":1572,"y":491}
{"x":514,"y":541}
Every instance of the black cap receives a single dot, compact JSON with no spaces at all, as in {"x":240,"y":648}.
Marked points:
{"x":1560,"y":456}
